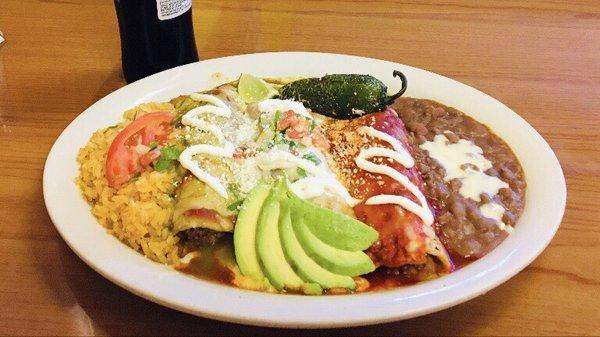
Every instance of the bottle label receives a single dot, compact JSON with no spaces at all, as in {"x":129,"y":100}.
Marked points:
{"x":168,"y":9}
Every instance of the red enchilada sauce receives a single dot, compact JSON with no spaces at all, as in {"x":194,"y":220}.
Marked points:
{"x":401,"y":237}
{"x":401,"y":252}
{"x":398,"y":265}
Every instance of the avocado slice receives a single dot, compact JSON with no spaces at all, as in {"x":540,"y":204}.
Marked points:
{"x":276,"y":267}
{"x":244,"y":235}
{"x":334,"y":229}
{"x":338,"y":261}
{"x":295,"y":245}
{"x":307,"y":268}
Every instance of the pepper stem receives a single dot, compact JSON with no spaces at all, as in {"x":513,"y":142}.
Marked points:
{"x":391,"y":99}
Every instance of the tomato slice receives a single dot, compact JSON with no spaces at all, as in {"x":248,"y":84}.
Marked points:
{"x":206,"y":213}
{"x":123,"y":161}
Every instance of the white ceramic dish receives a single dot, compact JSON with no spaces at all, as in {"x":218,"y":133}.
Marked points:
{"x":546,"y":196}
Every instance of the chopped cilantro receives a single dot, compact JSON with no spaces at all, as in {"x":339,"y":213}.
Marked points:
{"x":292,"y":144}
{"x":266,"y":146}
{"x":170,"y":152}
{"x":301,"y":172}
{"x":311,"y":156}
{"x":279,"y":138}
{"x":236,"y":205}
{"x":161,"y":165}
{"x":167,"y":155}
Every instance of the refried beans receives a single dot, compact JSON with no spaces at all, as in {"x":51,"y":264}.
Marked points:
{"x":464,"y":230}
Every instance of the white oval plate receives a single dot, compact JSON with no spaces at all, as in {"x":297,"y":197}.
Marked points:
{"x":546,"y":195}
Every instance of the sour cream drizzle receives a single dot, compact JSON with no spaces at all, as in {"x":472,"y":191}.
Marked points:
{"x":464,"y":161}
{"x":308,"y":187}
{"x":402,"y":156}
{"x":219,"y":108}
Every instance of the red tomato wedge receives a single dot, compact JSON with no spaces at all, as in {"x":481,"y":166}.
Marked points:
{"x":123,"y":161}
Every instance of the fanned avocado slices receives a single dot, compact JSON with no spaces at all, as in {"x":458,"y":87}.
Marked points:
{"x":306,"y":267}
{"x":285,"y":240}
{"x":334,"y":229}
{"x":339,"y":261}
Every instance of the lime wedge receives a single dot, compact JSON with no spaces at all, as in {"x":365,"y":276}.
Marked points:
{"x":253,"y":89}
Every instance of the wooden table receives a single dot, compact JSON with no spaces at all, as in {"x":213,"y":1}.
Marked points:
{"x":541,"y":58}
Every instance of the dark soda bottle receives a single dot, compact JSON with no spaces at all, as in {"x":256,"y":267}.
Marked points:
{"x":155,"y":35}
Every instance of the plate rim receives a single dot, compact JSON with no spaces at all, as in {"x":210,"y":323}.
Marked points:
{"x":342,"y":300}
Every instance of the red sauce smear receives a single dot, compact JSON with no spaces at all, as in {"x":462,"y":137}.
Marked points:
{"x":401,"y":237}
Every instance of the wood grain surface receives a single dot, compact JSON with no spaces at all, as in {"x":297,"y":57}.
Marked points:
{"x":541,"y":58}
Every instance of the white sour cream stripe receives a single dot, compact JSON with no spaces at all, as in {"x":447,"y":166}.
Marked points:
{"x":495,"y":211}
{"x":329,"y":183}
{"x":308,"y":188}
{"x":218,"y":108}
{"x":403,"y":157}
{"x":464,"y":161}
{"x":305,"y":187}
{"x":458,"y":160}
{"x":406,"y":159}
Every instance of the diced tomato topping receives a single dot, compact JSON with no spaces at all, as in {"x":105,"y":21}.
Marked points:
{"x":299,"y":130}
{"x":204,"y":213}
{"x":320,"y":141}
{"x":289,"y":119}
{"x":243,"y":152}
{"x":295,"y":127}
